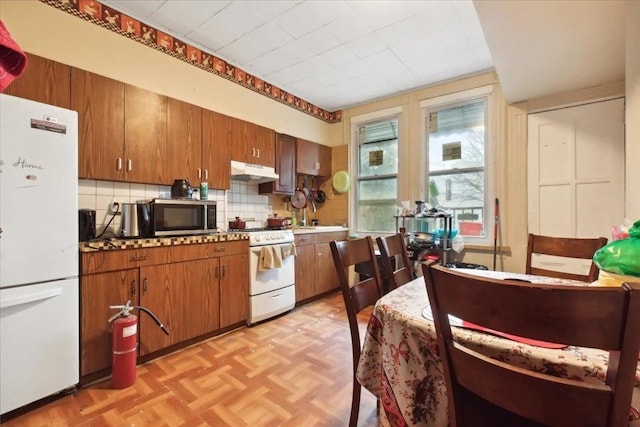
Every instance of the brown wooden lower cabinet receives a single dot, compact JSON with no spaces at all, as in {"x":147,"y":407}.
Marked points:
{"x":97,"y":293}
{"x":315,"y":272}
{"x":194,"y":290}
{"x":234,"y":289}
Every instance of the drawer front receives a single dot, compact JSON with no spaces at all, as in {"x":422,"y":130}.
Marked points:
{"x":180,"y":253}
{"x":98,"y":262}
{"x":305,"y":239}
{"x":148,"y":256}
{"x":228,"y":248}
{"x":331,"y":236}
{"x":239,"y":248}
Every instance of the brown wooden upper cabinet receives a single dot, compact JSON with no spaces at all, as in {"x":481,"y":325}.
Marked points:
{"x":285,"y":167}
{"x":216,"y":143}
{"x":183,"y":156}
{"x":252,"y":143}
{"x":43,"y":80}
{"x":312,"y":159}
{"x":122,"y":130}
{"x":145,"y":135}
{"x":99,"y":102}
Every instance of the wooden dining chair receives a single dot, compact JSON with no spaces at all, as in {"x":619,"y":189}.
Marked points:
{"x":595,"y":317}
{"x":357,"y":297}
{"x":563,"y":247}
{"x":391,"y":248}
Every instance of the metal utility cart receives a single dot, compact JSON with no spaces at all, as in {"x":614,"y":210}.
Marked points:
{"x":427,"y":233}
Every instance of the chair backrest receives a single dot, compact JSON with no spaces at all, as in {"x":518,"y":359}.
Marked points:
{"x":357,"y":296}
{"x":361,"y":294}
{"x":594,"y":317}
{"x":391,"y":247}
{"x":563,"y":247}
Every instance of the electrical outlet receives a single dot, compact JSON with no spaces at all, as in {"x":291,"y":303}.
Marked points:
{"x":114,"y":208}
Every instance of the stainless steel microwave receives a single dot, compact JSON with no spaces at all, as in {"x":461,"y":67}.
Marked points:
{"x":176,"y":217}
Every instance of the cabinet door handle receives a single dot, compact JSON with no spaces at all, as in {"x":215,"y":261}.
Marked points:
{"x":145,"y":286}
{"x":119,"y":164}
{"x":206,"y":174}
{"x":134,"y":285}
{"x":224,"y":271}
{"x":220,"y":249}
{"x":199,"y":173}
{"x":253,"y":152}
{"x":129,"y":165}
{"x":258,"y":150}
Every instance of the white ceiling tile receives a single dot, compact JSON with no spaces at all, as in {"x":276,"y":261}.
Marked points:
{"x":339,"y":56}
{"x":319,"y":41}
{"x":282,"y":57}
{"x":349,"y":27}
{"x":212,"y":35}
{"x":243,"y":50}
{"x":310,"y":15}
{"x":181,"y":17}
{"x":367,"y":45}
{"x":137,"y":9}
{"x":272,"y":8}
{"x":380,"y":14}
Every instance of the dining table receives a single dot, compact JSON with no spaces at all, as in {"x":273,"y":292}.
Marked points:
{"x":400,"y":365}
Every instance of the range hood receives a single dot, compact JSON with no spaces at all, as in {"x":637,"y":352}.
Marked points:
{"x":248,"y":172}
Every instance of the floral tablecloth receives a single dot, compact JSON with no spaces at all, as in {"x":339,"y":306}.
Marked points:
{"x":399,"y":362}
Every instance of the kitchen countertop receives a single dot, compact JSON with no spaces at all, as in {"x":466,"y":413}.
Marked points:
{"x":118,"y":244}
{"x":318,"y":229}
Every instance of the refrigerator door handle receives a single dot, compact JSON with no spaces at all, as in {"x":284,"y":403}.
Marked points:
{"x":31,"y":297}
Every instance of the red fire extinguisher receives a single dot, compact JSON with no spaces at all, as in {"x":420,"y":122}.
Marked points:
{"x":125,"y":343}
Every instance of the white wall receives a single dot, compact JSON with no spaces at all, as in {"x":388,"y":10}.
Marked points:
{"x":632,"y":93}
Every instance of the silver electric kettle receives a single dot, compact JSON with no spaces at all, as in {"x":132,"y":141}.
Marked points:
{"x":136,"y":220}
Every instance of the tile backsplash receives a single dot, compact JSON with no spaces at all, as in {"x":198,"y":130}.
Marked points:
{"x":241,"y":200}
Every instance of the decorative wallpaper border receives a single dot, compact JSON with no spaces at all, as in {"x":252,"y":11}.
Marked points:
{"x":111,"y":19}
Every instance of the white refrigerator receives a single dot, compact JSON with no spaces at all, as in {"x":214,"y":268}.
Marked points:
{"x":39,"y":290}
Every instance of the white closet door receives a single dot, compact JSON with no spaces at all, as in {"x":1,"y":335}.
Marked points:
{"x":576,"y":170}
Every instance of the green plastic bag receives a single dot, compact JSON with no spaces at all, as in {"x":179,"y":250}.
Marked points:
{"x":621,"y":256}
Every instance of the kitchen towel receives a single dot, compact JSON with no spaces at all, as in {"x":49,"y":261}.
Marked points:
{"x":12,"y":58}
{"x":288,"y":249}
{"x":269,"y":258}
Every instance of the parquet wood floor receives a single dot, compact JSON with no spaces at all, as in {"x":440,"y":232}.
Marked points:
{"x":294,"y":370}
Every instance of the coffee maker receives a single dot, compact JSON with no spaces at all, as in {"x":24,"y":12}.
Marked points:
{"x":86,"y":224}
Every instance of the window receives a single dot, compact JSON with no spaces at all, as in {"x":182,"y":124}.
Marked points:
{"x":377,"y":180}
{"x":456,"y":164}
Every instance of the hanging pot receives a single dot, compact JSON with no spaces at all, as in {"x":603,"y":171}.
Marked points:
{"x":321,"y":197}
{"x":298,"y":199}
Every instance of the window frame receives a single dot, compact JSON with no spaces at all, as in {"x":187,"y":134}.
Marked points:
{"x":356,"y":122}
{"x":456,"y":99}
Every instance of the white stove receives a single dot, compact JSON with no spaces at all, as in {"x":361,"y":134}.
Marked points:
{"x":271,"y":273}
{"x":269,"y":237}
